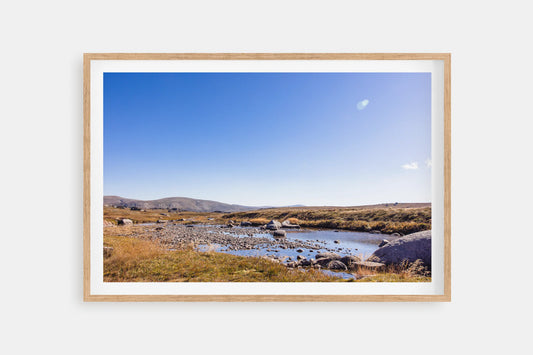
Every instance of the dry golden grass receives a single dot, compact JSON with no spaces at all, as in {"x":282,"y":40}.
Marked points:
{"x":392,"y":219}
{"x":150,"y":216}
{"x":137,"y":260}
{"x":145,"y":260}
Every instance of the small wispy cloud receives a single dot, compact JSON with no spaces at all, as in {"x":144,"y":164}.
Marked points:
{"x":411,"y":166}
{"x":362,"y":104}
{"x":428,"y":163}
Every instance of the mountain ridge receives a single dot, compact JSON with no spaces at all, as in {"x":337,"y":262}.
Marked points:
{"x":180,"y":203}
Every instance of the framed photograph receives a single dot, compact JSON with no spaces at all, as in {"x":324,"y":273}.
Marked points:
{"x":267,"y":177}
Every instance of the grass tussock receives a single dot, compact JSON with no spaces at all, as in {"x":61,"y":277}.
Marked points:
{"x":405,"y":272}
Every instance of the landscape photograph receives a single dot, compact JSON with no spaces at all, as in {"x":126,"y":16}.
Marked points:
{"x":267,"y":177}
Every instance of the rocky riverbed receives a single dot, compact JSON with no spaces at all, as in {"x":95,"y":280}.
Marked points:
{"x":333,"y":251}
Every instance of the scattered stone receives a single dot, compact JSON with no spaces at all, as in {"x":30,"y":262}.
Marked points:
{"x":246,"y":224}
{"x":280,"y":234}
{"x":287,"y":224}
{"x":337,"y":265}
{"x":273,"y":225}
{"x":304,"y":262}
{"x":300,"y":257}
{"x":124,"y":221}
{"x":161,"y":221}
{"x":300,"y":250}
{"x":350,"y":261}
{"x":328,"y":255}
{"x":336,"y":241}
{"x":370,"y":265}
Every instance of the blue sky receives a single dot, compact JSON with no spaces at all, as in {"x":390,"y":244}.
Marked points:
{"x":269,"y":138}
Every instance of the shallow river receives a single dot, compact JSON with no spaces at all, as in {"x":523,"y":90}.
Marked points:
{"x":349,"y":243}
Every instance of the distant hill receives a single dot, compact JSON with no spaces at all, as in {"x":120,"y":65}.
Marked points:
{"x":181,"y":203}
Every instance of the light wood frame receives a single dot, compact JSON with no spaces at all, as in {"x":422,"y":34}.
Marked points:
{"x":445,"y":57}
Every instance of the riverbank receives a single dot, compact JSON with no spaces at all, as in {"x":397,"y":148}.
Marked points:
{"x":138,"y":260}
{"x":175,"y":252}
{"x":388,"y":219}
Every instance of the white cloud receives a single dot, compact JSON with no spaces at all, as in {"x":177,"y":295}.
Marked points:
{"x":428,"y":163}
{"x":411,"y":166}
{"x":362,"y":104}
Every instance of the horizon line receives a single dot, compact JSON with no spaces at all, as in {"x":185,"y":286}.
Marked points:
{"x":271,"y":206}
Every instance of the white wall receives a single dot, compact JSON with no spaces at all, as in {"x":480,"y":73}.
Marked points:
{"x":41,"y":191}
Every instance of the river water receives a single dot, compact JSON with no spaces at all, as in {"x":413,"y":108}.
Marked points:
{"x":348,"y":243}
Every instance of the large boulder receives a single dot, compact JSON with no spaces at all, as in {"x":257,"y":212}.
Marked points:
{"x":408,"y":248}
{"x":273,"y":225}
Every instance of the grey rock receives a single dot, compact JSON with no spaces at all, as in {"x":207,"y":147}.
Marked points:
{"x":350,"y":261}
{"x":327,"y":255}
{"x":279,"y":234}
{"x":246,"y":224}
{"x":336,"y":241}
{"x":370,"y":265}
{"x":383,"y":243}
{"x":408,"y":248}
{"x":273,"y":225}
{"x":300,"y":250}
{"x":337,"y":265}
{"x":304,"y":262}
{"x":287,"y":224}
{"x":125,"y":221}
{"x":300,"y":257}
